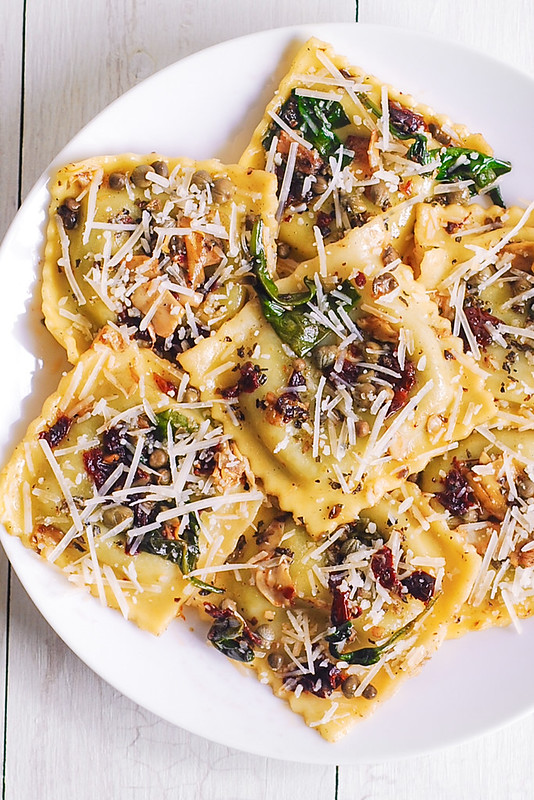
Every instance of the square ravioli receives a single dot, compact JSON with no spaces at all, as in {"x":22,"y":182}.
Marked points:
{"x":487,"y":490}
{"x":125,"y":488}
{"x":335,"y":629}
{"x":478,"y":264}
{"x":345,"y":147}
{"x":157,"y":244}
{"x":340,"y":391}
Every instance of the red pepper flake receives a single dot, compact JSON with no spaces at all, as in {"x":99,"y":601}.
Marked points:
{"x":384,"y":571}
{"x":360,"y":280}
{"x":57,"y":432}
{"x":165,"y":386}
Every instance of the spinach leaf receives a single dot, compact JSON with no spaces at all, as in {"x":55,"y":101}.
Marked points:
{"x":184,"y":551}
{"x":316,"y":119}
{"x":367,"y":656}
{"x":227,"y":634}
{"x":287,"y":313}
{"x":179,"y":422}
{"x":268,"y":286}
{"x":206,"y":587}
{"x":461,"y":163}
{"x":294,"y":327}
{"x":418,"y":151}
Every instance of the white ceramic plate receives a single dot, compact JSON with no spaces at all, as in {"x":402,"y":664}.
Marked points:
{"x":471,"y":685}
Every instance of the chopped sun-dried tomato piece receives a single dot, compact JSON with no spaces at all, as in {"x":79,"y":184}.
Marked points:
{"x":57,"y":432}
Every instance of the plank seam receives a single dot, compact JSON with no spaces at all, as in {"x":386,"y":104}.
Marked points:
{"x":19,"y":201}
{"x":6,"y":681}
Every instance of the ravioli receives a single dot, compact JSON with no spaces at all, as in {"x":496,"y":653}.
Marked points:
{"x":487,"y":488}
{"x":335,"y":629}
{"x":346,"y":147}
{"x":157,"y":244}
{"x":478,"y":262}
{"x":333,"y":422}
{"x":126,"y":489}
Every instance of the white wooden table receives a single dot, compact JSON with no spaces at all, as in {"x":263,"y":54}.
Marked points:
{"x":64,"y":733}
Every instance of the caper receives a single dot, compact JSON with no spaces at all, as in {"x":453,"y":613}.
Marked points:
{"x":68,"y":217}
{"x":350,"y":686}
{"x":369,"y":692}
{"x":275,"y":661}
{"x":117,"y":515}
{"x":320,"y":186}
{"x":266,"y":634}
{"x":158,"y":458}
{"x":72,"y":204}
{"x":223,"y":190}
{"x":160,"y":168}
{"x":139,"y":177}
{"x":201,"y":179}
{"x":117,"y":181}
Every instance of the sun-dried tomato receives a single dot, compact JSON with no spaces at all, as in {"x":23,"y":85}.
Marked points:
{"x":57,"y":432}
{"x":296,"y":379}
{"x":205,"y":462}
{"x":401,"y":386}
{"x":478,"y":320}
{"x":405,"y":120}
{"x":457,"y":496}
{"x":384,"y":571}
{"x":343,"y":609}
{"x":325,"y":679}
{"x":251,"y":378}
{"x":290,"y":408}
{"x":97,"y":467}
{"x":420,"y":585}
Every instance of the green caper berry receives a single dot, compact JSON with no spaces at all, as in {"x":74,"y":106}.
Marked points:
{"x":139,"y":176}
{"x":350,"y":686}
{"x":160,"y":168}
{"x":117,"y":181}
{"x":223,"y":190}
{"x":275,"y":661}
{"x":117,"y":515}
{"x":201,"y":179}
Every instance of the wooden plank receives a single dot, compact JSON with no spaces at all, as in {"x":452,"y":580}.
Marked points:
{"x":81,"y":737}
{"x":11,"y":92}
{"x":79,"y":59}
{"x":503,"y":32}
